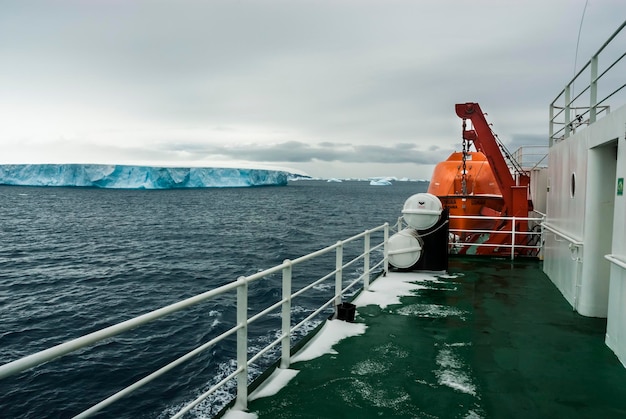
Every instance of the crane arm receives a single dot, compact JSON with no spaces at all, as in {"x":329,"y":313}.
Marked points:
{"x":485,"y":142}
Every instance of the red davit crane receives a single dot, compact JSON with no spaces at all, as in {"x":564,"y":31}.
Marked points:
{"x":513,"y":186}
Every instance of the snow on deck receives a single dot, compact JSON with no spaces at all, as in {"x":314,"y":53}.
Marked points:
{"x":383,"y":292}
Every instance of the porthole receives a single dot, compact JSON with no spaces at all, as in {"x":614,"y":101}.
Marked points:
{"x":572,"y":186}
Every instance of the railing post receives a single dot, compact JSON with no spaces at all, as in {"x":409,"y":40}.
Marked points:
{"x":366,"y":261}
{"x":386,"y":249}
{"x":286,"y":316}
{"x":551,"y":128}
{"x":513,"y":239}
{"x":542,"y":238}
{"x":242,"y":343}
{"x":593,"y":90}
{"x":338,"y":273}
{"x":568,"y":126}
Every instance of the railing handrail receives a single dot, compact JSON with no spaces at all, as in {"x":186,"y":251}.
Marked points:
{"x":616,"y":260}
{"x":241,"y":372}
{"x":561,"y":234}
{"x":489,"y":217}
{"x":594,"y":107}
{"x":608,"y":41}
{"x":511,"y":232}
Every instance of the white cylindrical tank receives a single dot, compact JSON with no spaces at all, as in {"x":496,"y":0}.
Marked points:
{"x":405,"y":248}
{"x":422,"y":211}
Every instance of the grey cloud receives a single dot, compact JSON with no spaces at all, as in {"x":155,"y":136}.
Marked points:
{"x":298,"y":152}
{"x":372,"y":81}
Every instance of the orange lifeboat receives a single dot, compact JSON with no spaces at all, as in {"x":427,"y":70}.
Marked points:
{"x":481,"y":195}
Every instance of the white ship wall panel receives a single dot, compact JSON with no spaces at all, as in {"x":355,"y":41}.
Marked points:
{"x":595,"y":157}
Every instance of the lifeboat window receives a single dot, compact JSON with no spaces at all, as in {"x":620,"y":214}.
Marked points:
{"x":572,"y":186}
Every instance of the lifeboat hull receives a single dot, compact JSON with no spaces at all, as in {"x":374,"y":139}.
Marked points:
{"x":471,"y":190}
{"x":472,"y":206}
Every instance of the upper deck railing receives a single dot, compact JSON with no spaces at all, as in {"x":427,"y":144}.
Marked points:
{"x":531,"y":157}
{"x":570,"y":109}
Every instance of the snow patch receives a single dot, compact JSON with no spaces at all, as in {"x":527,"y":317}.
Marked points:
{"x":432,"y":311}
{"x":274,"y":383}
{"x":239,"y":414}
{"x":450,"y":276}
{"x":387,"y":290}
{"x":331,"y":333}
{"x":451,"y":372}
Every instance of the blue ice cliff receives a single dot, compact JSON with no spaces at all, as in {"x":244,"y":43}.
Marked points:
{"x":137,"y":177}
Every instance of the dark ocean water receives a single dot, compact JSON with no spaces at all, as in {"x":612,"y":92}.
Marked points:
{"x":75,"y":260}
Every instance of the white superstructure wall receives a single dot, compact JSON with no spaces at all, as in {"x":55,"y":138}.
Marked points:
{"x":586,"y":220}
{"x":582,"y":209}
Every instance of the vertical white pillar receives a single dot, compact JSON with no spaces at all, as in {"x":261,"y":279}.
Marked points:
{"x":513,"y":239}
{"x":338,"y":273}
{"x":593,"y":90}
{"x":568,"y":117}
{"x":386,"y":249}
{"x":366,"y":261}
{"x":286,"y":316}
{"x":242,"y":343}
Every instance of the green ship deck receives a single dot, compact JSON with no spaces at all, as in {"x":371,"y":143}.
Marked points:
{"x":493,"y":339}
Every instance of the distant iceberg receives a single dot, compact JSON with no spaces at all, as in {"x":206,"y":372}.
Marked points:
{"x":380,"y":182}
{"x":137,"y":177}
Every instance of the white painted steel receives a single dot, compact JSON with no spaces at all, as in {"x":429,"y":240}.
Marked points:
{"x":242,"y":344}
{"x":513,"y":233}
{"x":616,"y":260}
{"x":559,"y":233}
{"x":366,"y":261}
{"x":338,"y":273}
{"x":616,"y":319}
{"x":286,"y":316}
{"x":422,"y":211}
{"x":589,"y":223}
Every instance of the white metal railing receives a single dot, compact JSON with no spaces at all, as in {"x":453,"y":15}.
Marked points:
{"x":616,"y":260}
{"x":565,"y":236}
{"x":570,"y":112}
{"x":242,"y":322}
{"x":514,"y":245}
{"x":531,"y":157}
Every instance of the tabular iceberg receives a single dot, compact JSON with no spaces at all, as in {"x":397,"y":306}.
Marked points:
{"x":137,"y":177}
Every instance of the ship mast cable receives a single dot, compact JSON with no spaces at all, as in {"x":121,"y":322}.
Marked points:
{"x":580,"y":29}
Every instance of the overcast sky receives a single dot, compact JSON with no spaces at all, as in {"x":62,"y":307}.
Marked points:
{"x":333,"y":88}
